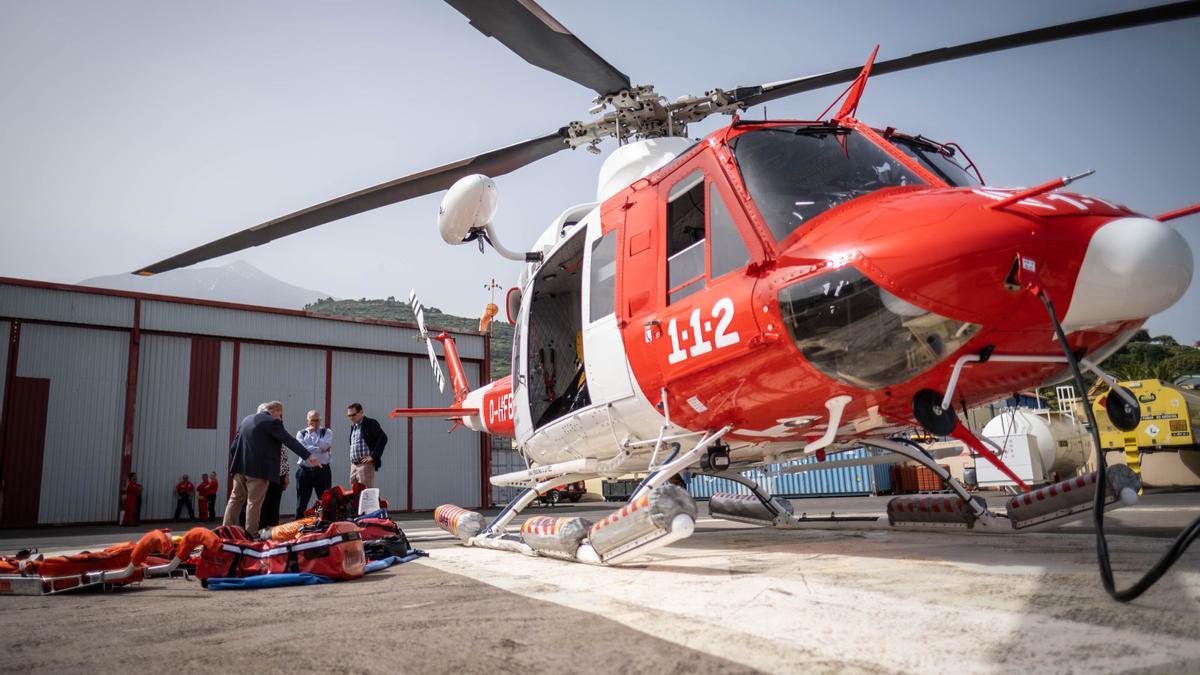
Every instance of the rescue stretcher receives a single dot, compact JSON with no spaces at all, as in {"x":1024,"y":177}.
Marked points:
{"x":116,"y":565}
{"x":334,"y":550}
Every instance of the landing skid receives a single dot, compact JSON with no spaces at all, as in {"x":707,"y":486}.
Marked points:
{"x":656,"y":515}
{"x":1025,"y":512}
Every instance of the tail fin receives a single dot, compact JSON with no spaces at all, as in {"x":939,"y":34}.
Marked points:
{"x":419,"y":311}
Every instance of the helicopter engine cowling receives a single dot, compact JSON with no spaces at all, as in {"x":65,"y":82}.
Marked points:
{"x":468,"y":207}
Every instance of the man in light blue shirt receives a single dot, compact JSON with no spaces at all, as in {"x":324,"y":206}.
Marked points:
{"x":318,"y":440}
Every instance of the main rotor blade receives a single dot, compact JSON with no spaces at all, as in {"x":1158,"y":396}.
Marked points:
{"x":530,"y":31}
{"x":494,"y":163}
{"x":1141,"y":17}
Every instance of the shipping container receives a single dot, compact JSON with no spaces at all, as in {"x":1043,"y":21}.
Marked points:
{"x":850,"y":480}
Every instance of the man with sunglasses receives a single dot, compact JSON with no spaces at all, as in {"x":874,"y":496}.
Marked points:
{"x":367,"y":442}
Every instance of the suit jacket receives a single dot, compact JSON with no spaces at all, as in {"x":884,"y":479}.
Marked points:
{"x":376,"y":440}
{"x":255,"y":448}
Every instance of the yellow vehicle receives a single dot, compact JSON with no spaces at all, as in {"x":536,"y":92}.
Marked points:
{"x":1163,"y":447}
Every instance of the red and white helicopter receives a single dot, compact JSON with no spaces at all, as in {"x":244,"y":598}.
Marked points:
{"x":775,"y":290}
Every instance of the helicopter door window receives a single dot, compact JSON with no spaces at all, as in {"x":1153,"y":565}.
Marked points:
{"x":729,"y":250}
{"x":517,"y":372}
{"x":604,"y":277}
{"x":685,"y":237}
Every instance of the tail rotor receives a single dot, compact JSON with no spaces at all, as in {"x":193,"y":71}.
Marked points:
{"x":419,"y":311}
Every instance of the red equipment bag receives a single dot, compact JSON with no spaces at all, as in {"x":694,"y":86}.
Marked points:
{"x":377,"y":528}
{"x":338,"y":503}
{"x":336,"y":552}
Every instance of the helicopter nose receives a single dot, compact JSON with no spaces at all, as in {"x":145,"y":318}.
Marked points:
{"x":1134,"y":267}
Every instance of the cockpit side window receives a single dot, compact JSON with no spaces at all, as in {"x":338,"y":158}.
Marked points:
{"x":938,"y":160}
{"x":797,"y":173}
{"x":685,"y":237}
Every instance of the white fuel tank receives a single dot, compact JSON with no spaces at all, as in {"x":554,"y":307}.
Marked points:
{"x":1062,"y":443}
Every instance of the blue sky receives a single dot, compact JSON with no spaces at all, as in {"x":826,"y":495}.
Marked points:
{"x":131,"y":131}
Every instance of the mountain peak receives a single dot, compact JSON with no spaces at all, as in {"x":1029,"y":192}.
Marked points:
{"x":239,"y":282}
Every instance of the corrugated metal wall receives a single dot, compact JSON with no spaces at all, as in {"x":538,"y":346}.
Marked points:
{"x":184,"y":318}
{"x":505,"y":460}
{"x":448,"y":464}
{"x":86,"y":368}
{"x":292,"y":375}
{"x":85,"y":399}
{"x":380,"y":384}
{"x":163,"y":446}
{"x":23,"y":302}
{"x":850,"y":480}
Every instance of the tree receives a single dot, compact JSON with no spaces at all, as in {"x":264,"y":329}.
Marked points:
{"x":1182,"y":363}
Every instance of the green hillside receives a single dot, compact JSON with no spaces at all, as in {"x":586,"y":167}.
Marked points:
{"x":392,"y":309}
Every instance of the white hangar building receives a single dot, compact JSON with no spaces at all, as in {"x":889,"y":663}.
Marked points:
{"x":98,"y":383}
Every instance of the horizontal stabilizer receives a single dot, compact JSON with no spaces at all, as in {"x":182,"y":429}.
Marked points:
{"x":448,"y":413}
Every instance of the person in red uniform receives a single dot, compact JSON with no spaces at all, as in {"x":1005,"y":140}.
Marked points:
{"x":183,"y":494}
{"x":202,"y":491}
{"x":132,"y":494}
{"x":212,"y":496}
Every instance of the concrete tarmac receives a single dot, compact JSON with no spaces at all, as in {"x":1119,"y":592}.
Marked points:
{"x":732,"y":598}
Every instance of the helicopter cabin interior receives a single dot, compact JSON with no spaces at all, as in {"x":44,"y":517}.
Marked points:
{"x":556,"y":379}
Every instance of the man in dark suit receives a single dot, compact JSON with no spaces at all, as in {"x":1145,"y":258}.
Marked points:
{"x":367,"y":442}
{"x":254,"y":462}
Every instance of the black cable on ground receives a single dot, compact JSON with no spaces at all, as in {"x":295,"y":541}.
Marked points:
{"x":1181,"y":543}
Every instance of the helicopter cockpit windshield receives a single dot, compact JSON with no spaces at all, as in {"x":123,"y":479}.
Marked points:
{"x":797,"y":172}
